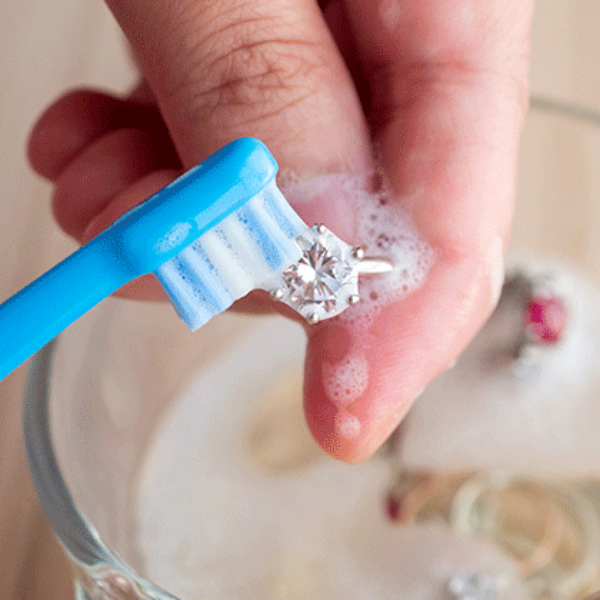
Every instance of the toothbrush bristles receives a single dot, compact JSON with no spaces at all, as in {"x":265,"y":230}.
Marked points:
{"x":246,"y":249}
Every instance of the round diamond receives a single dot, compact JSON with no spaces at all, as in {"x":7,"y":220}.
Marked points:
{"x":324,"y":282}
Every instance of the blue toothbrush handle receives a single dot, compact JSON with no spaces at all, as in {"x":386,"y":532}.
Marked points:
{"x":40,"y":311}
{"x":140,"y":242}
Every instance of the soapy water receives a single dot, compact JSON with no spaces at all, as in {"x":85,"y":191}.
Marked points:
{"x":212,"y":522}
{"x":383,"y":228}
{"x":347,"y":425}
{"x":213,"y":525}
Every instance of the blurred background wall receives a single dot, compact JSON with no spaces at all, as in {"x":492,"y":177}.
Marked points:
{"x":48,"y":47}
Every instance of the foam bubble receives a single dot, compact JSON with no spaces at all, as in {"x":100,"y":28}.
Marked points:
{"x":346,"y":381}
{"x":287,"y":180}
{"x":347,"y":425}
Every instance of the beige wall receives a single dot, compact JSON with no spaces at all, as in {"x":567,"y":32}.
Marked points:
{"x":47,"y":47}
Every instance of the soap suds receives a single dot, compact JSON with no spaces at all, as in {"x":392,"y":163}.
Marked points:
{"x":346,"y":381}
{"x":384,"y":229}
{"x":347,"y":425}
{"x":198,"y":519}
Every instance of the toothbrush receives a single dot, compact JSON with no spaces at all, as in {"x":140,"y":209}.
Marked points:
{"x":210,"y":237}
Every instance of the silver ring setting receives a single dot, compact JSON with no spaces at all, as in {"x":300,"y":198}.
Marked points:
{"x":324,"y":282}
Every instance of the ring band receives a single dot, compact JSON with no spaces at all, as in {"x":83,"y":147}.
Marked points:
{"x":375,"y":266}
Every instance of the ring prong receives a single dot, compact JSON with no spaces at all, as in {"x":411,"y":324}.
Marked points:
{"x":313,"y":319}
{"x":358,"y":253}
{"x":354,"y":299}
{"x":277,"y":294}
{"x":321,"y":228}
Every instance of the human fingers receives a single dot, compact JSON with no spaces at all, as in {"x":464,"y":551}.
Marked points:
{"x":448,"y":92}
{"x":105,"y":168}
{"x":292,"y":59}
{"x":81,"y":117}
{"x":270,"y":70}
{"x":231,"y":68}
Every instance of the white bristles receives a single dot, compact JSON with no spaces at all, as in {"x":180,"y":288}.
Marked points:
{"x":244,"y":250}
{"x":225,"y":260}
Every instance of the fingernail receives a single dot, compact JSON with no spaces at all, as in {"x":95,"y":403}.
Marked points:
{"x":90,"y":231}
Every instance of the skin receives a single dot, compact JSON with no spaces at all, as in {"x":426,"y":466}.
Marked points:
{"x":439,"y":87}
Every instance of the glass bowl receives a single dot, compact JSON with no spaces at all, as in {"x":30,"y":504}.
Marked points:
{"x":124,"y":423}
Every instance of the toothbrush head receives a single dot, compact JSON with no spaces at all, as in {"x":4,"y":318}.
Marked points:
{"x":249,"y":246}
{"x":210,"y":237}
{"x":224,"y":229}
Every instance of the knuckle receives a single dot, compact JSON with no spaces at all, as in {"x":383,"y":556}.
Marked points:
{"x":252,"y":69}
{"x":268,"y":70}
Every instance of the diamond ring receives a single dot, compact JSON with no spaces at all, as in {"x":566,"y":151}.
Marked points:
{"x":324,"y":282}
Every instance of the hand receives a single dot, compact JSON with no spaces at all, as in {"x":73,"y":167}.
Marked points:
{"x":439,"y":87}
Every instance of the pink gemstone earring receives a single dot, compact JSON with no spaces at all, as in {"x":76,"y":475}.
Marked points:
{"x":544,"y":317}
